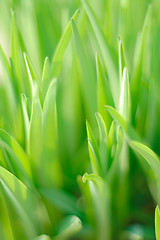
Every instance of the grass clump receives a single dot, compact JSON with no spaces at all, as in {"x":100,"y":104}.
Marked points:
{"x":79,"y":129}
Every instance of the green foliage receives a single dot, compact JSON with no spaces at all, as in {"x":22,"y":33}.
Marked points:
{"x":79,"y":95}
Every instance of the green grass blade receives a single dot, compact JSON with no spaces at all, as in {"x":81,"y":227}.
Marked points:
{"x":104,"y":96}
{"x":93,"y":158}
{"x":70,"y":226}
{"x":25,"y":118}
{"x":16,"y":54}
{"x":101,"y":204}
{"x":88,"y":79}
{"x":131,"y":133}
{"x":8,"y":81}
{"x":59,"y":52}
{"x":22,"y":200}
{"x":50,"y":137}
{"x":13,"y":145}
{"x":103,"y":142}
{"x":91,"y":137}
{"x":121,"y":56}
{"x":151,"y":158}
{"x":110,"y":66}
{"x":35,"y":135}
{"x":138,"y":60}
{"x":157,"y":223}
{"x":45,"y":78}
{"x":32,"y":76}
{"x":125,"y":102}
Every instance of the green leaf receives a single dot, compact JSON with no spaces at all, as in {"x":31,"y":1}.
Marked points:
{"x":45,"y":78}
{"x":50,"y":138}
{"x":93,"y":150}
{"x":121,"y":56}
{"x":16,"y":55}
{"x":110,"y":66}
{"x":88,"y":83}
{"x":36,"y":136}
{"x":32,"y":76}
{"x":103,"y":142}
{"x":138,"y":60}
{"x":12,"y":145}
{"x":93,"y":158}
{"x":151,"y":158}
{"x":101,"y":203}
{"x":91,"y":137}
{"x":24,"y":202}
{"x":130,"y":132}
{"x":10,"y":91}
{"x":25,"y":118}
{"x":103,"y":93}
{"x":70,"y":226}
{"x":157,"y":223}
{"x":125,"y":102}
{"x":59,"y":52}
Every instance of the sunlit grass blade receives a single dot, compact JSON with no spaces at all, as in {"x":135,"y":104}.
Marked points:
{"x":25,"y":119}
{"x":125,"y":101}
{"x":32,"y":76}
{"x":45,"y":78}
{"x":121,"y":55}
{"x":70,"y":226}
{"x":157,"y":223}
{"x":108,"y":61}
{"x":35,"y":136}
{"x":59,"y":52}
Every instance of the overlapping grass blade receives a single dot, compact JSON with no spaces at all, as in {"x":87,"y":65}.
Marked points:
{"x":103,"y":142}
{"x":50,"y":137}
{"x":88,"y":79}
{"x":58,"y":55}
{"x":108,"y":61}
{"x":151,"y":158}
{"x":12,"y":146}
{"x":104,"y":96}
{"x":129,"y":130}
{"x":16,"y":55}
{"x":70,"y":226}
{"x":36,"y":135}
{"x":101,"y":200}
{"x":22,"y":200}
